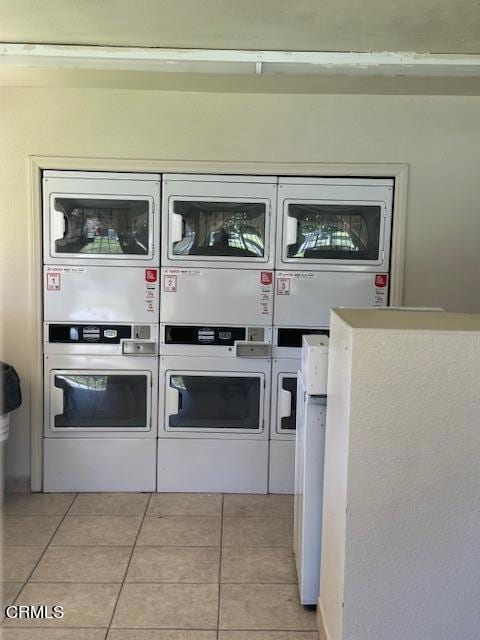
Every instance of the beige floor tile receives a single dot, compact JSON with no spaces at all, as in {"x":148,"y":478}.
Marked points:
{"x":268,"y":635}
{"x":109,"y":504}
{"x":263,"y":607}
{"x":257,"y":532}
{"x":160,"y":634}
{"x":259,"y":566}
{"x":28,"y":530}
{"x":185,"y":504}
{"x":174,"y":564}
{"x":82,"y":564}
{"x":37,"y":504}
{"x":8,"y":593}
{"x":258,"y":505}
{"x":97,"y":530}
{"x":180,"y":531}
{"x":16,"y":563}
{"x":84,"y":605}
{"x":53,"y":634}
{"x":167,"y":606}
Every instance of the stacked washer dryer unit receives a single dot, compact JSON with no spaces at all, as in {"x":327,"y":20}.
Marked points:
{"x":333,"y":249}
{"x":216,"y":331}
{"x":101,"y":272}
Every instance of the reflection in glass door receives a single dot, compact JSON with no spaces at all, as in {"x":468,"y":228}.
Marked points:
{"x":100,"y":227}
{"x":214,"y":403}
{"x":223,"y":229}
{"x":333,"y":232}
{"x":98,"y":401}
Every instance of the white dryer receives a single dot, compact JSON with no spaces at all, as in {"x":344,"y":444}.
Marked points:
{"x":215,"y":407}
{"x":100,"y":409}
{"x":217,"y":221}
{"x":101,"y":218}
{"x":333,"y":247}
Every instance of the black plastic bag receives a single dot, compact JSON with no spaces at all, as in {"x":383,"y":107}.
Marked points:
{"x":9,"y":388}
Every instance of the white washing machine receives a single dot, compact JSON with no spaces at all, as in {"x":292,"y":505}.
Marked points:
{"x":286,"y":351}
{"x":214,"y":409}
{"x":215,"y":221}
{"x":332,"y":248}
{"x":101,"y":218}
{"x":100,"y":409}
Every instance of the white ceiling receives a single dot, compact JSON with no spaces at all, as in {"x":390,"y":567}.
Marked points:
{"x":423,"y":26}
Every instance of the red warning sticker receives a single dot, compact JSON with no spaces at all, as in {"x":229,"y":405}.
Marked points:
{"x":170,"y":283}
{"x":53,"y":282}
{"x":266,"y":277}
{"x":151,"y":275}
{"x":381,"y":280}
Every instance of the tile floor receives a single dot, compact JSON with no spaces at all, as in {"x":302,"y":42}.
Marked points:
{"x":153,"y":567}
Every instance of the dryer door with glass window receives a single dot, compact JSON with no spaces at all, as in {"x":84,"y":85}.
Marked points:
{"x":286,"y":404}
{"x":334,"y":224}
{"x":101,"y":218}
{"x":211,"y":397}
{"x":84,"y":401}
{"x":218,"y":221}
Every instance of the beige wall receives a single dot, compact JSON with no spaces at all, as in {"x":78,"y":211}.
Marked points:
{"x":439,"y":137}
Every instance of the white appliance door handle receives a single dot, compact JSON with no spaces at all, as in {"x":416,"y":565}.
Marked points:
{"x":56,"y":403}
{"x":176,"y":227}
{"x":291,"y":230}
{"x":57,"y":222}
{"x":284,"y":404}
{"x":172,"y":401}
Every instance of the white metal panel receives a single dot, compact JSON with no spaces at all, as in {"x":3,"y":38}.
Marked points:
{"x":315,"y":364}
{"x":304,"y":298}
{"x":100,"y":294}
{"x":213,"y":178}
{"x":96,"y":464}
{"x":217,"y":296}
{"x":281,"y":472}
{"x":249,"y":189}
{"x":281,"y":368}
{"x":102,"y":185}
{"x":208,"y":366}
{"x":232,"y":466}
{"x":84,"y":364}
{"x":308,"y":500}
{"x":362,"y":191}
{"x":102,"y":175}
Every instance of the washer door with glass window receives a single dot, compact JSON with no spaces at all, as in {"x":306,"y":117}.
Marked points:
{"x":103,"y":402}
{"x":218,"y":221}
{"x":101,"y":219}
{"x":334,"y":224}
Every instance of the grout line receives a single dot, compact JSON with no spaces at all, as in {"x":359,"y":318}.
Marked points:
{"x":220,"y":566}
{"x":47,"y":546}
{"x":128,"y":564}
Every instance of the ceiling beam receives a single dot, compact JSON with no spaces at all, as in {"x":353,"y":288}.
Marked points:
{"x":221,"y":61}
